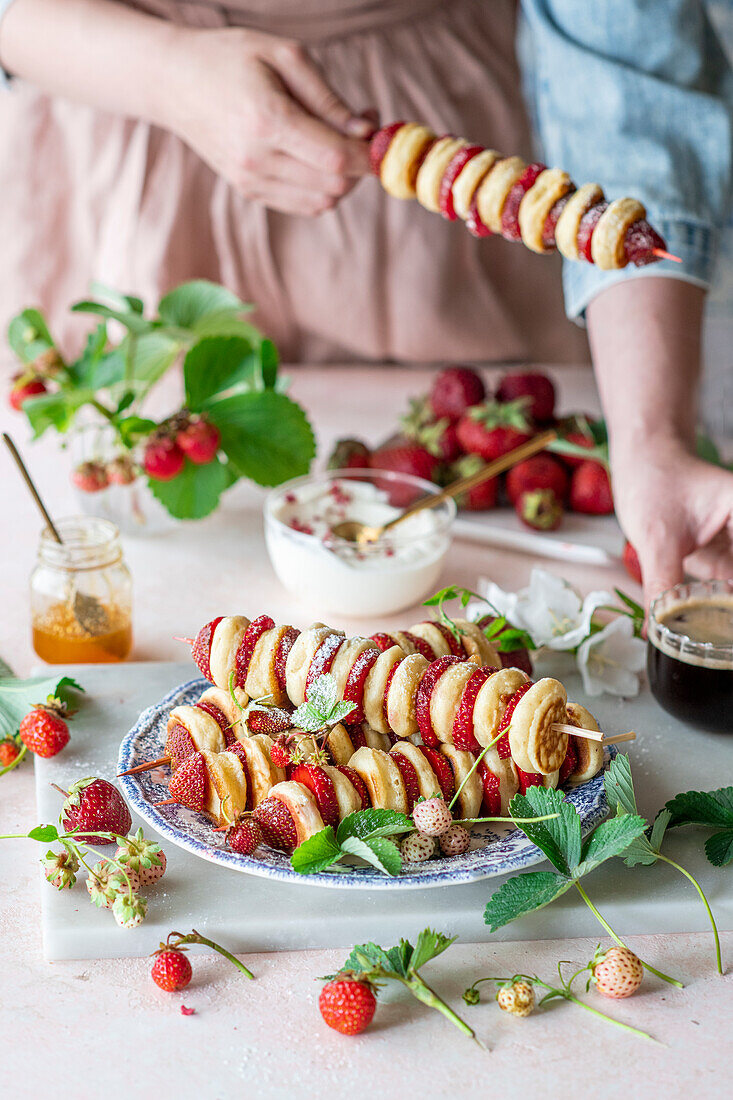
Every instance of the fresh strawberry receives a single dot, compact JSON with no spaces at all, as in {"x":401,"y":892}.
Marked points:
{"x":631,"y":562}
{"x":438,"y":435}
{"x":380,"y":143}
{"x":93,"y":804}
{"x":492,"y":789}
{"x":454,"y":841}
{"x":510,"y":230}
{"x":163,"y":459}
{"x":451,"y":174}
{"x":23,"y":388}
{"x":90,"y":477}
{"x":60,"y":869}
{"x":588,"y":223}
{"x":189,"y":783}
{"x":171,"y":969}
{"x":404,"y":457}
{"x":250,"y":638}
{"x":516,"y":998}
{"x":432,"y":817}
{"x":355,"y":681}
{"x":617,"y":972}
{"x":322,"y":660}
{"x":106,"y":882}
{"x":527,"y":780}
{"x":454,"y":391}
{"x":570,"y":762}
{"x":9,"y":751}
{"x":280,"y":752}
{"x":590,"y":490}
{"x":347,"y":1004}
{"x":276,"y":822}
{"x":540,"y":471}
{"x":540,"y":509}
{"x":201,"y":650}
{"x":322,"y":789}
{"x":178,"y":745}
{"x":416,"y":848}
{"x":142,"y":856}
{"x":358,"y":784}
{"x":536,"y":388}
{"x":199,"y":441}
{"x":269,"y":720}
{"x":349,"y":454}
{"x":462,"y":730}
{"x":44,"y":731}
{"x":150,"y":875}
{"x":409,"y":778}
{"x":492,"y":429}
{"x":281,"y":655}
{"x":424,"y":694}
{"x":482,"y":496}
{"x":576,"y":429}
{"x":129,"y":911}
{"x":121,"y":471}
{"x":245,"y":835}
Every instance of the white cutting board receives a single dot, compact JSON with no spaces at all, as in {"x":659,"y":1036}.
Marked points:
{"x":253,"y":914}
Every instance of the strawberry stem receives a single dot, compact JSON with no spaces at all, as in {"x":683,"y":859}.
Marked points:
{"x":705,"y":902}
{"x":60,"y":790}
{"x":196,"y":937}
{"x":14,"y":764}
{"x":420,"y":989}
{"x":505,"y":820}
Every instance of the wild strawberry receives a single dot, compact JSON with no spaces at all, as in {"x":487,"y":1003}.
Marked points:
{"x":142,"y":856}
{"x":540,"y":471}
{"x":270,"y":720}
{"x":106,"y":882}
{"x":276,"y":822}
{"x":189,"y":783}
{"x":9,"y":752}
{"x":199,"y":442}
{"x":349,"y":454}
{"x":163,"y":459}
{"x":516,"y":998}
{"x":128,"y":911}
{"x":60,"y":868}
{"x":454,"y":841}
{"x":617,"y":972}
{"x":244,"y":836}
{"x":590,"y":490}
{"x":90,"y":477}
{"x":432,"y":817}
{"x":48,"y":363}
{"x":631,"y":562}
{"x":44,"y":731}
{"x":482,"y":496}
{"x":492,"y":430}
{"x":280,"y":753}
{"x":540,"y":509}
{"x":94,"y":804}
{"x":417,"y":847}
{"x":121,"y":471}
{"x":347,"y":1004}
{"x":535,"y":387}
{"x":171,"y":969}
{"x":23,"y":388}
{"x":455,"y":390}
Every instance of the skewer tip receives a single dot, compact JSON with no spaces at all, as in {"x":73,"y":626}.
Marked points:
{"x":662,"y":254}
{"x":188,"y":641}
{"x":165,"y":802}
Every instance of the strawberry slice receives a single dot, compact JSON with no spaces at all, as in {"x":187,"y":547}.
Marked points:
{"x":492,"y":790}
{"x":322,"y":660}
{"x":189,"y":783}
{"x":510,"y":210}
{"x":639,"y":242}
{"x":383,"y":641}
{"x":387,"y":686}
{"x":239,"y":752}
{"x":451,"y":174}
{"x":585,"y":230}
{"x":453,"y":644}
{"x":201,"y":650}
{"x":358,"y":737}
{"x":276,"y":822}
{"x":421,"y":645}
{"x":380,"y":143}
{"x":463,"y":735}
{"x":442,"y":769}
{"x":409,"y":778}
{"x":528,"y":779}
{"x":424,"y":694}
{"x":512,"y":706}
{"x":269,"y":720}
{"x":355,"y":681}
{"x":179,"y":745}
{"x":570,"y":762}
{"x":321,"y":787}
{"x":220,"y":718}
{"x":548,"y":229}
{"x":474,"y":224}
{"x":252,"y":635}
{"x":358,"y":784}
{"x":281,"y":655}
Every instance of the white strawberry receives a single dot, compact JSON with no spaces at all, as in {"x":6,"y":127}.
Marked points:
{"x":432,"y":817}
{"x":617,"y":972}
{"x":60,"y":868}
{"x":416,"y":848}
{"x":516,"y":998}
{"x":129,"y":911}
{"x":106,"y":883}
{"x":455,"y":841}
{"x":145,"y":857}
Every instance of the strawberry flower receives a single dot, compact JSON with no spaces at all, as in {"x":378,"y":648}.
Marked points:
{"x":612,"y":659}
{"x":549,"y":609}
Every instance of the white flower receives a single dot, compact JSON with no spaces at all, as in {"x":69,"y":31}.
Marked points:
{"x":549,"y":609}
{"x":612,"y":659}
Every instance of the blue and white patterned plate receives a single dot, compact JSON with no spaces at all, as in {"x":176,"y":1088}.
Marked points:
{"x":493,"y":852}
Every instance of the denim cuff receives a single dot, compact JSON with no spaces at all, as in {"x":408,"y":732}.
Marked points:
{"x":695,"y":244}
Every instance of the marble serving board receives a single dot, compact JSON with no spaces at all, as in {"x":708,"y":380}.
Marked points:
{"x":255,"y":914}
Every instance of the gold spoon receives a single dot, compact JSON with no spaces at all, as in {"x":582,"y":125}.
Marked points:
{"x":352,"y":530}
{"x":88,"y":611}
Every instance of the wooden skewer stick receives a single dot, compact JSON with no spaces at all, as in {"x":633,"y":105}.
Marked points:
{"x":592,"y":735}
{"x":165,"y":802}
{"x":188,"y":641}
{"x":664,"y":255}
{"x":161,"y":761}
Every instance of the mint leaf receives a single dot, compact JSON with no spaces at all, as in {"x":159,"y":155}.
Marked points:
{"x":316,"y":853}
{"x":323,"y":694}
{"x":378,"y":851}
{"x":559,"y":838}
{"x":429,"y":945}
{"x":702,"y":808}
{"x":215,"y":364}
{"x":374,"y":822}
{"x":28,"y":335}
{"x":719,"y":848}
{"x":512,"y":638}
{"x":610,"y":838}
{"x":18,"y":697}
{"x":266,"y":435}
{"x":523,"y":894}
{"x":45,"y":833}
{"x":196,"y":490}
{"x":323,"y":707}
{"x":192,"y":301}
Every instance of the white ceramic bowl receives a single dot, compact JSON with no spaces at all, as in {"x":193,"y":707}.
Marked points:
{"x":396,"y":572}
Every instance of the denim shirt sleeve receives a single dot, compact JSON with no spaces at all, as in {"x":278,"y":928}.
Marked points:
{"x":636,"y":95}
{"x":5,"y":77}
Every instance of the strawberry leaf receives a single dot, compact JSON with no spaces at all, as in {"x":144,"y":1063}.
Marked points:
{"x":192,"y":302}
{"x":659,"y":828}
{"x":266,"y":436}
{"x":523,"y":894}
{"x":28,"y":335}
{"x":195,"y":492}
{"x":378,"y":851}
{"x":719,"y":848}
{"x":429,"y":945}
{"x":702,"y":808}
{"x":559,"y":838}
{"x":367,"y":957}
{"x":216,"y":364}
{"x":374,"y":822}
{"x":18,"y":697}
{"x":316,"y":853}
{"x":610,"y":838}
{"x":619,"y":784}
{"x":46,"y":834}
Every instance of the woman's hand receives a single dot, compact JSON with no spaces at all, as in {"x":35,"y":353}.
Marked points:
{"x":257,"y":109}
{"x":675,"y":508}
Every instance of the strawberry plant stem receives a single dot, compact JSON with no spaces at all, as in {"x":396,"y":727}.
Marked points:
{"x":472,"y":769}
{"x":420,"y":989}
{"x":698,"y":887}
{"x":14,"y":764}
{"x":196,"y":937}
{"x":567,"y":995}
{"x":620,"y":942}
{"x":505,"y":820}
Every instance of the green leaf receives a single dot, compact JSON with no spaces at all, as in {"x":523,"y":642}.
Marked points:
{"x":378,"y":851}
{"x":641,"y":852}
{"x":45,"y":833}
{"x":659,"y":828}
{"x":316,"y":853}
{"x":192,"y":301}
{"x":226,"y":323}
{"x":523,"y":894}
{"x":369,"y":956}
{"x":28,"y":335}
{"x":134,"y":428}
{"x":269,"y":363}
{"x":55,"y":410}
{"x":512,"y":638}
{"x":323,"y":707}
{"x":195,"y":492}
{"x":83,"y":370}
{"x":445,"y":594}
{"x":559,"y":838}
{"x":152,"y":355}
{"x":123,"y":302}
{"x":17,"y":697}
{"x":130,"y":319}
{"x":400,"y":956}
{"x":374,"y":822}
{"x":266,"y":435}
{"x":719,"y":848}
{"x":215,"y":364}
{"x":702,"y":808}
{"x":619,"y":784}
{"x":633,"y":606}
{"x":429,"y":945}
{"x":610,"y":838}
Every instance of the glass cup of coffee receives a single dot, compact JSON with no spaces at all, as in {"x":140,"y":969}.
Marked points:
{"x":690,"y":653}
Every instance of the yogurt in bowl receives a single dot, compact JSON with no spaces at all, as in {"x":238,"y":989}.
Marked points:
{"x":397,"y":571}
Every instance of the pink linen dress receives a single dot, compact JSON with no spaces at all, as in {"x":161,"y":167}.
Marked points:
{"x":87,"y":195}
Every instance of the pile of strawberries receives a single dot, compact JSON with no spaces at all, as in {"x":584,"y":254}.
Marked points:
{"x":459,"y":427}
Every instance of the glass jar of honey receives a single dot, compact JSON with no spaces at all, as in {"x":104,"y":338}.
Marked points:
{"x":81,"y":594}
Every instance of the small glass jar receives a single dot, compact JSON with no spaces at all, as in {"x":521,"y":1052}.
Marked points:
{"x":81,"y":594}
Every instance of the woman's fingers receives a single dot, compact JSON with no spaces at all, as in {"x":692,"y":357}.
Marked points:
{"x":289,"y":198}
{"x":280,"y":166}
{"x":306,"y":83}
